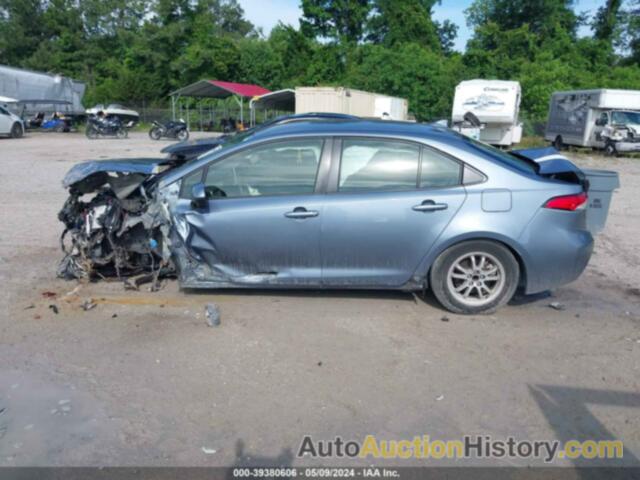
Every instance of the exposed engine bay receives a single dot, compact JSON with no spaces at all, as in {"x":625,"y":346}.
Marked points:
{"x":115,"y":226}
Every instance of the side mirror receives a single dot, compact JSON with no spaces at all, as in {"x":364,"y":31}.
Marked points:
{"x":600,"y":122}
{"x":198,"y":196}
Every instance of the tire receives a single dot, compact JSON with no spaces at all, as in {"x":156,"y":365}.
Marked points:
{"x":91,"y":132}
{"x":155,"y":133}
{"x":121,"y":133}
{"x":460,"y":288}
{"x":16,"y":130}
{"x":183,"y":135}
{"x":558,"y":144}
{"x":610,"y":149}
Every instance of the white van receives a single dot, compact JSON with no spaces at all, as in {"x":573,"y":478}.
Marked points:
{"x":495,"y":104}
{"x":10,"y":123}
{"x":602,"y":118}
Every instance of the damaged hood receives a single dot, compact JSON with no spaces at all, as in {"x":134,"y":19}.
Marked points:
{"x":142,"y":166}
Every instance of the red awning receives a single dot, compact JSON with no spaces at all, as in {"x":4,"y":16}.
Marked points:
{"x":220,"y":89}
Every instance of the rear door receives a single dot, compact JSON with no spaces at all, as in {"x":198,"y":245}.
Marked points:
{"x":388,"y":202}
{"x":261,"y":224}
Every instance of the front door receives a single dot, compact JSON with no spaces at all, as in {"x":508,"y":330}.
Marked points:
{"x":392,"y":201}
{"x":6,"y":122}
{"x":261,"y":224}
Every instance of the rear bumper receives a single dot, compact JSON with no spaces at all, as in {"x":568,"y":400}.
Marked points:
{"x":558,"y":247}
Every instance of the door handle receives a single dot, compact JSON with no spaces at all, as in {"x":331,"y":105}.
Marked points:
{"x":301,"y":212}
{"x":430,"y":206}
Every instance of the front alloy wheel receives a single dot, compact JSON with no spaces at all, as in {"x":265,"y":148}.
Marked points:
{"x":475,"y":277}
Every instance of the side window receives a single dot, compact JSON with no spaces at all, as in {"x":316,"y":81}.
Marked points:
{"x":604,"y":119}
{"x":438,"y":170}
{"x":3,"y":111}
{"x":281,"y":168}
{"x":188,"y":182}
{"x":378,"y":165}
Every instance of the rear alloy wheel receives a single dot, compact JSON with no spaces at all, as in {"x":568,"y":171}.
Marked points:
{"x":121,"y":133}
{"x":558,"y":144}
{"x":183,"y":135}
{"x":473,"y":277}
{"x":16,"y":131}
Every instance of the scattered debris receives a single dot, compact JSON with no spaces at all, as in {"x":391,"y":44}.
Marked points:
{"x":88,"y":304}
{"x":29,"y":307}
{"x":73,"y":292}
{"x":439,"y":397}
{"x":48,"y":294}
{"x":212,"y":314}
{"x":37,"y":317}
{"x":64,"y":402}
{"x":208,"y":451}
{"x":29,"y":427}
{"x":115,"y":315}
{"x":444,"y":319}
{"x":319,"y":364}
{"x":557,"y":306}
{"x":54,"y":308}
{"x":2,"y":410}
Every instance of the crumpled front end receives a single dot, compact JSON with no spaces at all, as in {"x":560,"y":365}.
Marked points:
{"x":116,"y":226}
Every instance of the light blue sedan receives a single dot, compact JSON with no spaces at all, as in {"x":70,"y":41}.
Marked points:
{"x":380,"y":205}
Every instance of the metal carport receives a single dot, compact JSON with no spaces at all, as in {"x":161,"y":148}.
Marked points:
{"x":281,"y":100}
{"x":217,"y":89}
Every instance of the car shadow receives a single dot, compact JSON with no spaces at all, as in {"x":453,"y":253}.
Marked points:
{"x":567,"y":411}
{"x":311,"y":293}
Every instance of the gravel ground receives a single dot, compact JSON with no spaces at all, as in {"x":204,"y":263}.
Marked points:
{"x":141,"y":379}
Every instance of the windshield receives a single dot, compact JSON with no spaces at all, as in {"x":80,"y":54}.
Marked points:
{"x":622,"y":118}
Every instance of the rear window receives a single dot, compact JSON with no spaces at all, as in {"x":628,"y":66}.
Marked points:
{"x":519,"y":163}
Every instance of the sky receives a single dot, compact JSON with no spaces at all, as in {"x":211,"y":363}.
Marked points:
{"x":267,"y":13}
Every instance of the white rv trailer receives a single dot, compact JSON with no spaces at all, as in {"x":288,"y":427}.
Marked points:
{"x":495,"y":104}
{"x":601,"y":118}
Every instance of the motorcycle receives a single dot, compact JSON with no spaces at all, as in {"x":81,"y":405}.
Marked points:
{"x":110,"y":126}
{"x":171,"y":129}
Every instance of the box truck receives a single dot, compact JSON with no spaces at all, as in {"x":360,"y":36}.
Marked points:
{"x":602,"y":118}
{"x":488,"y":110}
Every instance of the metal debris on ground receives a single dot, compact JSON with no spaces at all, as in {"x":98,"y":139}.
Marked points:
{"x":212,"y":314}
{"x":444,"y":319}
{"x":88,"y":304}
{"x":54,"y":308}
{"x":557,"y":306}
{"x":48,"y":294}
{"x":208,"y":451}
{"x":439,"y":397}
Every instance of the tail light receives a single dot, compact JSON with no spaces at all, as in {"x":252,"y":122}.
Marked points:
{"x":568,"y":202}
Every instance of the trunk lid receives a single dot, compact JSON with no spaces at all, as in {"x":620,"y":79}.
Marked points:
{"x":599,"y":184}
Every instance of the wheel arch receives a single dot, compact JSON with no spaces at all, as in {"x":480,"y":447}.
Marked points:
{"x":424,"y":271}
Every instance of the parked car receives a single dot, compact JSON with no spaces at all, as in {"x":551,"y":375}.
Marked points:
{"x":191,"y":149}
{"x":10,"y":124}
{"x":349,"y":204}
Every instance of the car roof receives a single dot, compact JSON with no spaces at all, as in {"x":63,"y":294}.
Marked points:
{"x":355,"y":127}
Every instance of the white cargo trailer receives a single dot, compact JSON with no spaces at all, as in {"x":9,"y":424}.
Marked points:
{"x":601,"y":118}
{"x":351,"y":102}
{"x":496,"y":106}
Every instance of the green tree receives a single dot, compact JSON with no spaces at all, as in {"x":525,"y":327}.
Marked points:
{"x":342,"y":21}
